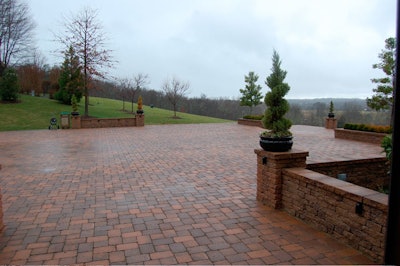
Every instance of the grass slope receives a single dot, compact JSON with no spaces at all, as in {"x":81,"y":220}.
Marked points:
{"x":35,"y":113}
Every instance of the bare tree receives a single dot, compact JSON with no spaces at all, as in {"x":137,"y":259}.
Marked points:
{"x":38,"y":59}
{"x":85,"y":34}
{"x":30,"y":78}
{"x":129,"y":87}
{"x":32,"y":73}
{"x":124,"y":85}
{"x":139,"y":82}
{"x":16,"y":31}
{"x":175,"y":91}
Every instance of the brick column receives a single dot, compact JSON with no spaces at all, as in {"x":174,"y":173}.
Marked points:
{"x":76,"y":122}
{"x":269,"y":177}
{"x":1,"y":211}
{"x":139,"y":120}
{"x":330,"y":123}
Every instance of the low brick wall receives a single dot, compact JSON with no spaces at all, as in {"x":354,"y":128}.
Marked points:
{"x":369,"y":173}
{"x":369,"y":137}
{"x":136,"y":121}
{"x":250,"y":122}
{"x":352,"y":214}
{"x":331,"y":205}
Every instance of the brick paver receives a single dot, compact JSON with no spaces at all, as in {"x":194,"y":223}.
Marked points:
{"x":172,"y":194}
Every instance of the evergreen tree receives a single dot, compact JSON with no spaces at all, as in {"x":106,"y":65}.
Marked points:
{"x":9,"y":85}
{"x":70,"y":81}
{"x":383,"y":97}
{"x":251,"y":94}
{"x":277,"y":106}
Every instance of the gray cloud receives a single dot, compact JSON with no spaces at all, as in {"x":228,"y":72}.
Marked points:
{"x":327,"y":47}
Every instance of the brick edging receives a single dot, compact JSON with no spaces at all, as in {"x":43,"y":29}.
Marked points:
{"x":357,"y":135}
{"x":250,"y":122}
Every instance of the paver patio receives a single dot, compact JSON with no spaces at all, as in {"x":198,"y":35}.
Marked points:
{"x":171,"y":194}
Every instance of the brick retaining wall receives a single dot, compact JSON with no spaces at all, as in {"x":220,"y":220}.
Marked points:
{"x":325,"y":202}
{"x":136,"y":121}
{"x":330,"y":205}
{"x":370,"y":173}
{"x":364,"y":136}
{"x":250,"y":122}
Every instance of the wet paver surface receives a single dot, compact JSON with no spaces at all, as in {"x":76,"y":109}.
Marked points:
{"x":167,"y":194}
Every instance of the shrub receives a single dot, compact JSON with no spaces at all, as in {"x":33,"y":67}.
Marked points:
{"x":9,"y":86}
{"x":387,"y":146}
{"x":74,"y":103}
{"x":253,"y":117}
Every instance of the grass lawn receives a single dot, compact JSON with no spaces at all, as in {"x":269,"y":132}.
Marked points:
{"x":35,"y":113}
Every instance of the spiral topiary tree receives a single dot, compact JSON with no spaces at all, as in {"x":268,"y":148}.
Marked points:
{"x":140,"y":105}
{"x":274,"y":121}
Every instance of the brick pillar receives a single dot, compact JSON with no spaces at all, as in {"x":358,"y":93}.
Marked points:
{"x":139,"y":120}
{"x":269,"y":177}
{"x":1,"y":211}
{"x":76,"y":122}
{"x":330,"y":123}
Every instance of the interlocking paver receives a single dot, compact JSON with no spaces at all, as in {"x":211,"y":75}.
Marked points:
{"x":172,"y":194}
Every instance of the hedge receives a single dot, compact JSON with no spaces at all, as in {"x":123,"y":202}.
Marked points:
{"x":369,"y":128}
{"x":253,"y":117}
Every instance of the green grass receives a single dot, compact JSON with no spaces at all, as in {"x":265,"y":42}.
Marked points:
{"x":35,"y":113}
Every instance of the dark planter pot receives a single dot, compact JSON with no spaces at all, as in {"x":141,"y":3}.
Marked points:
{"x":276,"y":144}
{"x":331,"y":115}
{"x":74,"y":113}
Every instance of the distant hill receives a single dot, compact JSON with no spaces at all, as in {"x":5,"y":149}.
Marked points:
{"x":35,"y":113}
{"x":338,"y":103}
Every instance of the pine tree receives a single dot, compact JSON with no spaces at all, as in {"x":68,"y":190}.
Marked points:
{"x":277,"y":106}
{"x":9,"y":85}
{"x":251,"y":94}
{"x":70,"y":81}
{"x":383,"y":97}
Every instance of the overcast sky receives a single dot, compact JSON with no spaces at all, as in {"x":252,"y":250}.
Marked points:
{"x":327,"y":46}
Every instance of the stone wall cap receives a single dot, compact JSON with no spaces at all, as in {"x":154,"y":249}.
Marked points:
{"x":293,"y":153}
{"x":340,"y":187}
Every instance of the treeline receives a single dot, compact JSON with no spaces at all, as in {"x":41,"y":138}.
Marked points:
{"x":302,"y":111}
{"x":350,"y":111}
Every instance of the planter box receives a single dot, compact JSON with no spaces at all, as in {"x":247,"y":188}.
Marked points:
{"x":364,"y":136}
{"x":250,"y":122}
